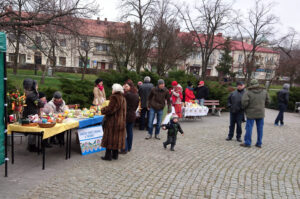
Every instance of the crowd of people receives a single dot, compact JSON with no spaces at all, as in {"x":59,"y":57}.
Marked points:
{"x":245,"y":105}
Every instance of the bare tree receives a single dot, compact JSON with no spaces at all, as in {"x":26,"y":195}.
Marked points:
{"x":289,"y":46}
{"x":211,"y":17}
{"x":19,"y":16}
{"x":84,"y":48}
{"x":140,"y":12}
{"x":169,"y":45}
{"x":254,"y":30}
{"x":121,"y":44}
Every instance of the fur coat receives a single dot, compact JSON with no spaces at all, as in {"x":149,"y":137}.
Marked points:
{"x":114,"y":127}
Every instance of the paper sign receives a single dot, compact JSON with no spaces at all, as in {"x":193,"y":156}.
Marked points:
{"x":90,"y":139}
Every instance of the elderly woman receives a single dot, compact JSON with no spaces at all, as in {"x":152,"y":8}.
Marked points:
{"x":99,"y":93}
{"x":115,"y":124}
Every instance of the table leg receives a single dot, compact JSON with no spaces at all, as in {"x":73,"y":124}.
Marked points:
{"x":12,"y":148}
{"x":70,"y":139}
{"x":67,"y":146}
{"x":39,"y":143}
{"x":44,"y":152}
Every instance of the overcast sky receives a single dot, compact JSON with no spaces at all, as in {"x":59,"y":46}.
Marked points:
{"x":286,"y":10}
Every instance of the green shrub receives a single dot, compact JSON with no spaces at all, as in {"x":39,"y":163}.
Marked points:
{"x":154,"y":76}
{"x":181,"y":77}
{"x":48,"y":92}
{"x":219,"y":92}
{"x":77,"y":92}
{"x":294,"y":97}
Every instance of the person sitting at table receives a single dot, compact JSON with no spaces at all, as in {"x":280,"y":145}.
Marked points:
{"x":57,"y":105}
{"x":33,"y":105}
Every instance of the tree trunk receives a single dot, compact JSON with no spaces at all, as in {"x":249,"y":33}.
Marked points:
{"x":16,"y":55}
{"x":44,"y":72}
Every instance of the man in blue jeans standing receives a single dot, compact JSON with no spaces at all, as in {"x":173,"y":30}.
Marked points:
{"x":156,"y":103}
{"x":254,"y":101}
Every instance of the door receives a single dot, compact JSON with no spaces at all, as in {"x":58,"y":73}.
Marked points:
{"x":38,"y":58}
{"x":102,"y":65}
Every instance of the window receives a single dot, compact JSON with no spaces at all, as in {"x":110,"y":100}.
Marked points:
{"x":111,"y":66}
{"x":62,"y":61}
{"x":266,"y":59}
{"x":22,"y":58}
{"x":80,"y":64}
{"x":51,"y":60}
{"x":102,"y":47}
{"x":240,"y":59}
{"x":84,"y":44}
{"x":12,"y":38}
{"x":63,"y":42}
{"x":38,"y":41}
{"x":220,"y":56}
{"x":22,"y":39}
{"x":11,"y":57}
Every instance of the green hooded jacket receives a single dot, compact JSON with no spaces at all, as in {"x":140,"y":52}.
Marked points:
{"x":254,"y":101}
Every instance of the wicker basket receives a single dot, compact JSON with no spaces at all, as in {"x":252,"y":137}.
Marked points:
{"x":30,"y":125}
{"x":50,"y":125}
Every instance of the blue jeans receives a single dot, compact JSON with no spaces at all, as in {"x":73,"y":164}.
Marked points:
{"x":129,"y":137}
{"x":201,"y":102}
{"x":282,"y":108}
{"x":259,"y":127}
{"x":159,"y":114}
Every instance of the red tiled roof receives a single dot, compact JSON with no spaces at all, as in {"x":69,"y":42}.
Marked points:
{"x":235,"y":45}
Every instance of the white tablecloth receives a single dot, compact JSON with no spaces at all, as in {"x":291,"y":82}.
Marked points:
{"x":195,"y":111}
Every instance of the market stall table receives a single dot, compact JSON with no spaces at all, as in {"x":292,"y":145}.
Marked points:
{"x":43,"y":134}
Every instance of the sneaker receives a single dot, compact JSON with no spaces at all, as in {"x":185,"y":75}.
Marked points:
{"x":245,"y":145}
{"x":239,"y":139}
{"x":228,"y":139}
{"x":157,"y":137}
{"x":148,"y":137}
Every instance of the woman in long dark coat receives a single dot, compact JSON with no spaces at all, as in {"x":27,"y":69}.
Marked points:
{"x":115,"y":124}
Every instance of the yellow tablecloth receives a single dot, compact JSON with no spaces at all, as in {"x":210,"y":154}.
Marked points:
{"x":48,"y":132}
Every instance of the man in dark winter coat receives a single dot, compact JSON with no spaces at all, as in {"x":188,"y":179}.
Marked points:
{"x":201,"y":92}
{"x":283,"y":100}
{"x":144,"y":92}
{"x":236,"y":112}
{"x":156,"y":103}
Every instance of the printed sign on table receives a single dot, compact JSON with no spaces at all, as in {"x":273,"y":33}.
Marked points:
{"x":90,"y":139}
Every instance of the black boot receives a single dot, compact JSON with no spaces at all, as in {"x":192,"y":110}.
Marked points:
{"x":107,"y":155}
{"x":172,"y":147}
{"x":228,"y":138}
{"x":115,"y":154}
{"x":165,"y":145}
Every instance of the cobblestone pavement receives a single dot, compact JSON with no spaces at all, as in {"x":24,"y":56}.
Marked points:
{"x":203,"y":165}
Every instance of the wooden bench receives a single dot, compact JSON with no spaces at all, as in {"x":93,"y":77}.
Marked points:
{"x":213,"y":106}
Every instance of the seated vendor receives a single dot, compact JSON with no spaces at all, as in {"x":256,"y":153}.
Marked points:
{"x":57,"y":104}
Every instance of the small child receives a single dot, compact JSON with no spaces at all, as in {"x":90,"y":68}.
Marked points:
{"x":173,"y":127}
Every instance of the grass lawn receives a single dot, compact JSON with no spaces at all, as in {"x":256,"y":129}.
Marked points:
{"x":17,"y":80}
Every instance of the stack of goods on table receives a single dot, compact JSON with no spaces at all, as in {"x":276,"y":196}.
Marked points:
{"x":193,"y":109}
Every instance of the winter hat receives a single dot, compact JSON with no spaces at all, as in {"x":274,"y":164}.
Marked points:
{"x":240,"y":83}
{"x":117,"y":88}
{"x":147,"y":79}
{"x":174,"y":116}
{"x":28,"y":84}
{"x":57,"y":95}
{"x":41,"y":95}
{"x":286,"y":86}
{"x":254,"y":82}
{"x":174,"y":83}
{"x":201,"y":82}
{"x":189,"y":84}
{"x":160,"y":81}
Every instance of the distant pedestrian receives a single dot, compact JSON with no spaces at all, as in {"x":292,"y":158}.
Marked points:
{"x":156,"y":103}
{"x":144,"y":92}
{"x":201,"y":93}
{"x":99,"y":93}
{"x":236,"y":112}
{"x":189,"y":92}
{"x":254,"y":101}
{"x":173,"y":127}
{"x":176,"y":97}
{"x":283,"y":100}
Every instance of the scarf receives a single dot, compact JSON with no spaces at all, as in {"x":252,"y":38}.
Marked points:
{"x":100,"y":87}
{"x":58,"y":105}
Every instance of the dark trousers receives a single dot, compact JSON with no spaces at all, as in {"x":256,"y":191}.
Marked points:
{"x":171,"y":140}
{"x":143,"y":119}
{"x":236,"y":120}
{"x":282,"y":108}
{"x":129,"y":137}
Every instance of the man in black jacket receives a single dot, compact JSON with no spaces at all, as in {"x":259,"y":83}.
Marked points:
{"x":283,"y":100}
{"x":201,"y":92}
{"x":144,"y":92}
{"x":236,"y":112}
